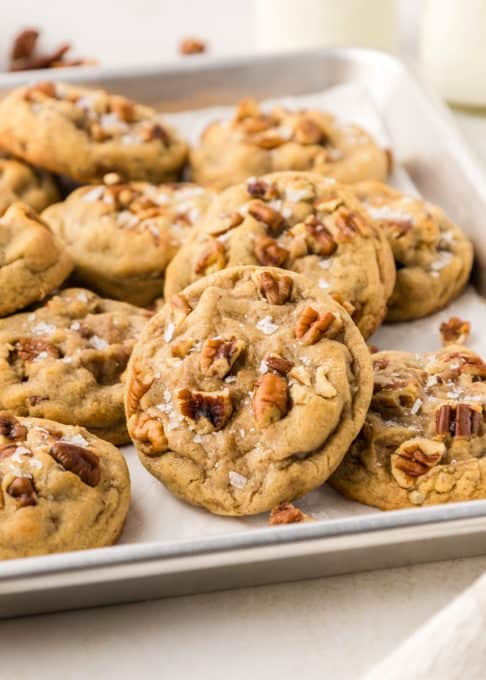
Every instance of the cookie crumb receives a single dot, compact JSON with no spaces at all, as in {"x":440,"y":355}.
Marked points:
{"x":287,"y":513}
{"x":455,"y":331}
{"x":373,"y":348}
{"x":192,"y":45}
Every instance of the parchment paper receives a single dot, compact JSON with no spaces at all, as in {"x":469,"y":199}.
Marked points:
{"x":155,"y":515}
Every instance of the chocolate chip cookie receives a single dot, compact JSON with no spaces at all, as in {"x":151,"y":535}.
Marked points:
{"x":61,"y":488}
{"x":433,"y":256}
{"x":65,"y":361}
{"x":122,"y":236}
{"x":298,"y":221}
{"x":255,"y":142}
{"x":21,"y":182}
{"x":246,"y":390}
{"x":424,"y":438}
{"x":32,"y":261}
{"x":85,"y":133}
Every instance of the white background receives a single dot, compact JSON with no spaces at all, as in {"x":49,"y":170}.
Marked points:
{"x":329,"y":628}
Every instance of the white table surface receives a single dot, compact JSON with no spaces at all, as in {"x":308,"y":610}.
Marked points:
{"x":334,"y":628}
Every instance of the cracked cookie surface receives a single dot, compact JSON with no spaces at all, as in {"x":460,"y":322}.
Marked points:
{"x":255,"y":142}
{"x":22,"y":182}
{"x":85,"y":133}
{"x":61,"y":488}
{"x":122,"y":236}
{"x":424,"y":438}
{"x":433,"y":256}
{"x":246,"y":390}
{"x":32,"y":261}
{"x":65,"y":361}
{"x":301,"y":222}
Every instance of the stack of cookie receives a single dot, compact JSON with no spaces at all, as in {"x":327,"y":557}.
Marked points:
{"x":253,"y":380}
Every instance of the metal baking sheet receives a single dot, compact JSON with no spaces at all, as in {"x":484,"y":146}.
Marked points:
{"x":204,"y":552}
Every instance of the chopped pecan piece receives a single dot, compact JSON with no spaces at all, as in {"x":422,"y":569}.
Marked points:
{"x":270,"y":140}
{"x":7,"y":450}
{"x":44,"y":89}
{"x":468,"y":421}
{"x":207,"y":411}
{"x":11,"y":428}
{"x":311,"y":325}
{"x":319,"y":238}
{"x":269,"y":252}
{"x":211,"y":259}
{"x":395,"y":394}
{"x":218,"y":355}
{"x":348,"y":224}
{"x":323,"y":385}
{"x":276,"y":363}
{"x":455,"y":330}
{"x":264,"y":213}
{"x":228,"y":222}
{"x":259,"y":188}
{"x":308,"y":132}
{"x":151,"y":131}
{"x":255,"y":124}
{"x":414,"y":458}
{"x":246,"y":108}
{"x":123,"y":108}
{"x":459,"y":420}
{"x":27,"y":349}
{"x":287,"y":513}
{"x":149,"y":434}
{"x":189,"y":46}
{"x":136,"y":390}
{"x":275,"y":289}
{"x":78,"y":460}
{"x":181,"y":347}
{"x":180,"y":307}
{"x":270,"y":401}
{"x":23,"y":490}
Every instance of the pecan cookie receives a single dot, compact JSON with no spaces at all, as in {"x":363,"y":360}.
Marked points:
{"x":246,"y":390}
{"x":21,"y":182}
{"x":85,"y":133}
{"x":424,"y":438}
{"x":255,"y":143}
{"x":122,"y":236}
{"x":433,"y":256}
{"x":61,"y":488}
{"x":65,"y":361}
{"x":298,"y":221}
{"x":32,"y":262}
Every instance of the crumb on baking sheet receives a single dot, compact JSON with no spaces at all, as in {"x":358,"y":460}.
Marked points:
{"x":287,"y":513}
{"x":192,"y":45}
{"x":455,"y":330}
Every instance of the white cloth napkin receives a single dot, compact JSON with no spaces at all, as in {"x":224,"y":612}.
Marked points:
{"x":450,"y":646}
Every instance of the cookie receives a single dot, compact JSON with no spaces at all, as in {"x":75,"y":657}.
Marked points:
{"x":433,"y":256}
{"x":254,"y":143}
{"x":65,"y":361}
{"x":247,"y":389}
{"x":298,"y":221}
{"x":425,"y":434}
{"x":32,"y":261}
{"x":61,"y":488}
{"x":21,"y":182}
{"x":122,"y":236}
{"x":85,"y":133}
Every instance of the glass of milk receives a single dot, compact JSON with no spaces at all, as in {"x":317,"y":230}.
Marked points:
{"x":453,"y":49}
{"x":297,"y":24}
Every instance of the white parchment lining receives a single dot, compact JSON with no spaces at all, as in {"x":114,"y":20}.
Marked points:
{"x":155,"y":515}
